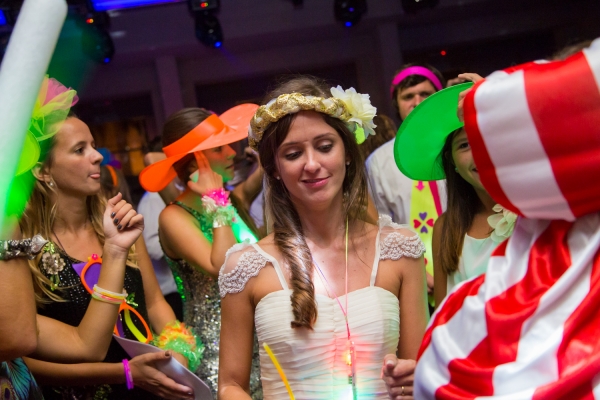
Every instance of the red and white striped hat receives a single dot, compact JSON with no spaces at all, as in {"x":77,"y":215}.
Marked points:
{"x":535,"y":135}
{"x":529,"y":327}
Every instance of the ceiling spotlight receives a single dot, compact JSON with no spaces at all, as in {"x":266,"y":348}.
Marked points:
{"x":208,"y":29}
{"x":206,"y":24}
{"x":349,"y":12}
{"x":203,"y":5}
{"x":413,"y":6}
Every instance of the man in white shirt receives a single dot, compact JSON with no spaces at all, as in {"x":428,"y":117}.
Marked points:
{"x":150,"y":207}
{"x":393,"y":192}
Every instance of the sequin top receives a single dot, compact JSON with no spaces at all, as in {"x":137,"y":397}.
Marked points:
{"x":72,"y":311}
{"x":202,"y":311}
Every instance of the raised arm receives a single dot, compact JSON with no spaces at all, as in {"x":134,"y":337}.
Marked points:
{"x":182,"y":238}
{"x":89,"y":341}
{"x":180,"y":232}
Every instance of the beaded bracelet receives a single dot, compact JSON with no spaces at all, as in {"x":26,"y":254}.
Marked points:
{"x":177,"y":337}
{"x":128,"y":375}
{"x":29,"y":248}
{"x":218,"y":208}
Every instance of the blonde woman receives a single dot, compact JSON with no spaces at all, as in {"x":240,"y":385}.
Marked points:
{"x":66,"y":208}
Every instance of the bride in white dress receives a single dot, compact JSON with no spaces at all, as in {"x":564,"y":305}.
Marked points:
{"x":324,"y":284}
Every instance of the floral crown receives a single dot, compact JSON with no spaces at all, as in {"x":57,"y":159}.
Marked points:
{"x":349,"y":106}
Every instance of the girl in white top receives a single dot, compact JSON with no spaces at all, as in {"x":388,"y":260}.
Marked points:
{"x":436,"y":148}
{"x":296,"y":286}
{"x":463,"y":239}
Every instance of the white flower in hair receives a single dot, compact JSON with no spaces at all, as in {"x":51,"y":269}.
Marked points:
{"x":359,"y":106}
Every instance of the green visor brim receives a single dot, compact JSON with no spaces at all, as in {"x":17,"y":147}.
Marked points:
{"x":422,"y":135}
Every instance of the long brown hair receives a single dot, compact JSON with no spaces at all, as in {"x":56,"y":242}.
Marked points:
{"x":39,"y":217}
{"x":463,"y":205}
{"x":287,"y":228}
{"x":177,"y":126}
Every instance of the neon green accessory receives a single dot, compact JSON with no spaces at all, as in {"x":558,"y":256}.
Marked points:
{"x":423,"y":214}
{"x":51,"y":108}
{"x":422,"y":135}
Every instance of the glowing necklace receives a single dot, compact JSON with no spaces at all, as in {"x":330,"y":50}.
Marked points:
{"x":350,"y":353}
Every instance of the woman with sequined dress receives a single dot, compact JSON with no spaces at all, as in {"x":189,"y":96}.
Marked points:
{"x":67,"y":208}
{"x":336,"y":301}
{"x":193,"y":238}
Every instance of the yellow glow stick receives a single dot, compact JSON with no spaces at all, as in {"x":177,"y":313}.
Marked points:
{"x":280,"y":370}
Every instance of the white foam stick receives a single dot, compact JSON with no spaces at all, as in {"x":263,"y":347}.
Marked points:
{"x":23,"y":68}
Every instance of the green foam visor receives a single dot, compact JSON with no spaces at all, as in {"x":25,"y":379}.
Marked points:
{"x":422,"y":135}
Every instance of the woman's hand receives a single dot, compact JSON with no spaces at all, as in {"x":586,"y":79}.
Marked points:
{"x":148,"y":377}
{"x":205,"y":179}
{"x":398,"y":376}
{"x":122,"y":224}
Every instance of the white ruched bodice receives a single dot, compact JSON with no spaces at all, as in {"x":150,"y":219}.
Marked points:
{"x":313,"y":361}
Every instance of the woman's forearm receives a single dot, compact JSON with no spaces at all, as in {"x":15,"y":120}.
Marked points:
{"x":95,"y":329}
{"x":47,"y":373}
{"x":90,"y":340}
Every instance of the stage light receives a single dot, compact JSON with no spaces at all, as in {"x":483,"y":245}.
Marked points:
{"x":349,"y":12}
{"x":203,"y":5}
{"x":413,"y":6}
{"x":206,"y":24}
{"x":443,"y":52}
{"x":208,"y":29}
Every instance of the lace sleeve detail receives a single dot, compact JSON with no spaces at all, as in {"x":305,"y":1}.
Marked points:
{"x":248,"y":266}
{"x":397,"y":245}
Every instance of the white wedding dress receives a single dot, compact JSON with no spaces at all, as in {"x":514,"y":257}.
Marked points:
{"x":313,"y":361}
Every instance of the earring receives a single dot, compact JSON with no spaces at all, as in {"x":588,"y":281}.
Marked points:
{"x":347,"y":162}
{"x":278,"y":178}
{"x":51,"y":184}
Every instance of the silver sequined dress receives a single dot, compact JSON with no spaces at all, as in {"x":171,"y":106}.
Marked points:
{"x":202,"y":312}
